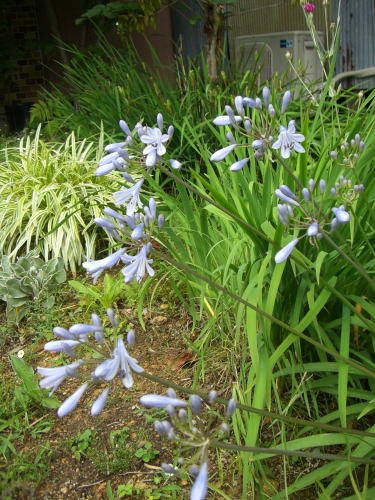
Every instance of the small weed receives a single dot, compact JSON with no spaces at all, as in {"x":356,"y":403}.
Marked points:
{"x":102,"y":296}
{"x":146,"y":452}
{"x":151,"y":416}
{"x":153,"y":492}
{"x":118,"y":455}
{"x":81,"y":443}
{"x":24,"y":472}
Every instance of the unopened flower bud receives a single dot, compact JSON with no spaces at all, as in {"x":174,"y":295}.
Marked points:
{"x":238,"y":102}
{"x":130,"y":337}
{"x":196,"y":404}
{"x":182,"y":414}
{"x":224,"y":427}
{"x":266,"y":96}
{"x":111,"y":317}
{"x":287,"y":97}
{"x":231,"y":407}
{"x":333,"y":155}
{"x":212,"y":396}
{"x":306,"y":194}
{"x":161,"y":220}
{"x":322,"y":185}
{"x":247,"y":125}
{"x":194,"y":470}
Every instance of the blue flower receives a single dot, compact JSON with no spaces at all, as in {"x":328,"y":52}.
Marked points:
{"x":71,"y":402}
{"x":130,"y":197}
{"x":53,"y":377}
{"x":96,"y":267}
{"x":155,"y":148}
{"x":137,"y":265}
{"x":200,"y":486}
{"x":284,"y":253}
{"x":289,"y":141}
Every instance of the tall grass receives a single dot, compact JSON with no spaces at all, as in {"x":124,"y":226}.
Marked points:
{"x":124,"y":84}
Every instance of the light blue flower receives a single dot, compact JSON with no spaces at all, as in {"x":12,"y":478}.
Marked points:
{"x":284,"y":253}
{"x":71,"y":402}
{"x":99,"y":403}
{"x":222,"y":153}
{"x":200,"y":486}
{"x":289,"y":141}
{"x":155,"y":148}
{"x":160,"y":401}
{"x":53,"y":377}
{"x":121,"y":364}
{"x":96,"y":267}
{"x":130,"y":197}
{"x":287,"y":97}
{"x":137,"y":265}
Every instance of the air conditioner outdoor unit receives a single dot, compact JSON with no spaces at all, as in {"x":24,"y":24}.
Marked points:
{"x":266,"y":53}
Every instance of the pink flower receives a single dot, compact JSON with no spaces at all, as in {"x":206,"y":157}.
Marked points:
{"x":309,"y":7}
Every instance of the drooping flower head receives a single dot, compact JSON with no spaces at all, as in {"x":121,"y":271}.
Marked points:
{"x":112,"y":363}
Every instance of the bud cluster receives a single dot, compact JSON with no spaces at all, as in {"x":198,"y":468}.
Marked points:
{"x":313,"y":213}
{"x":193,"y":430}
{"x":349,"y":152}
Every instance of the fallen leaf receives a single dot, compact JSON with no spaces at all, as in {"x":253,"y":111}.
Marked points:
{"x":187,"y":356}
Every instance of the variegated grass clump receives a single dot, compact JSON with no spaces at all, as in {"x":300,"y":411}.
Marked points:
{"x":49,"y":198}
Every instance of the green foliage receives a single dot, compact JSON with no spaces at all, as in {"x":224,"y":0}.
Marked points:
{"x":29,"y":279}
{"x":151,"y":493}
{"x":112,"y":289}
{"x":81,"y":443}
{"x":24,"y":472}
{"x":120,"y":80}
{"x":146,"y":452}
{"x":130,"y":15}
{"x":29,"y":390}
{"x":232,"y":242}
{"x":49,"y":198}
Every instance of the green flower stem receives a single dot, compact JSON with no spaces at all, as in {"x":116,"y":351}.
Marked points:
{"x":277,"y":321}
{"x":244,"y":224}
{"x":291,"y":453}
{"x":264,"y":413}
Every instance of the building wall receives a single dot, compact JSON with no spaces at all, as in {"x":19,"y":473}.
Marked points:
{"x":31,"y":57}
{"x":357,"y":41}
{"x":21,"y":68}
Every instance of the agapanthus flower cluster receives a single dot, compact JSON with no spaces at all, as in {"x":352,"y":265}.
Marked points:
{"x":258,"y":137}
{"x":349,"y":152}
{"x":319,"y":210}
{"x":134,"y":227}
{"x":113,"y":362}
{"x":143,"y":144}
{"x":188,"y":427}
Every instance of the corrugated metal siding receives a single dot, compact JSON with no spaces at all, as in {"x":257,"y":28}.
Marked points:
{"x":357,"y":43}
